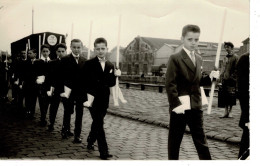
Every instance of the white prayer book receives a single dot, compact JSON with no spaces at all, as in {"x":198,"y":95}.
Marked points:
{"x":185,"y":101}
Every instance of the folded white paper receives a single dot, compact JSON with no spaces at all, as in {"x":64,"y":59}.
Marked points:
{"x":89,"y":102}
{"x":90,"y":98}
{"x":40,"y":79}
{"x":204,"y":99}
{"x":67,"y":91}
{"x":185,"y":101}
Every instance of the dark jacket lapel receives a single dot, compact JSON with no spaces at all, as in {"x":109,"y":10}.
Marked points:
{"x":186,"y":59}
{"x":198,"y":67}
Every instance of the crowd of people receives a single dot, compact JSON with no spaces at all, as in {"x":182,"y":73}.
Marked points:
{"x":70,"y":79}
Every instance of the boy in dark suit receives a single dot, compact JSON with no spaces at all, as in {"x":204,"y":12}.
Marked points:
{"x":72,"y":67}
{"x":43,"y":85}
{"x":99,"y":75}
{"x":183,"y":78}
{"x":21,"y":65}
{"x":56,"y":83}
{"x":29,"y":84}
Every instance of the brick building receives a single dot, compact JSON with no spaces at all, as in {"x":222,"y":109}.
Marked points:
{"x":144,"y":53}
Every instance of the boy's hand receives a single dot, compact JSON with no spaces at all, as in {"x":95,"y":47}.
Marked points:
{"x":214,"y":74}
{"x":117,"y":72}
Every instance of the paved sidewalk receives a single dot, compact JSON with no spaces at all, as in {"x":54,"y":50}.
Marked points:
{"x":152,"y":107}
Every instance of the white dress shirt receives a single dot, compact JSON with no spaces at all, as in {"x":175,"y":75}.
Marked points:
{"x":102,"y":62}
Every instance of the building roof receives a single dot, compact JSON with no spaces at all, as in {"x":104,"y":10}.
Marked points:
{"x":157,"y":43}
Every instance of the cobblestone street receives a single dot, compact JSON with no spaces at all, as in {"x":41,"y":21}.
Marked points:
{"x":128,"y":139}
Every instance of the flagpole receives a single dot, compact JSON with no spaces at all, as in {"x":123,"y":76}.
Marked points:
{"x":60,"y":39}
{"x":43,"y":40}
{"x":32,"y":20}
{"x":72,"y":27}
{"x":29,"y":44}
{"x":117,"y":59}
{"x":89,"y":41}
{"x":217,"y":61}
{"x":39,"y":46}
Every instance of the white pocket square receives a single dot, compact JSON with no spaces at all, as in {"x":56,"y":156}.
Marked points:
{"x":111,"y":71}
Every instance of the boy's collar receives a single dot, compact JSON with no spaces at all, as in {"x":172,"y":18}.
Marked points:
{"x":74,"y":55}
{"x":186,"y":50}
{"x":42,"y":58}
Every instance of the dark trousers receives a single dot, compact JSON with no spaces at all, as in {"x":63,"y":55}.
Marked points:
{"x":194,"y":119}
{"x":20,"y":98}
{"x":30,"y":99}
{"x":68,"y":110}
{"x":54,"y":105}
{"x":97,"y":129}
{"x":15,"y":92}
{"x":244,"y":144}
{"x":44,"y":102}
{"x":245,"y":139}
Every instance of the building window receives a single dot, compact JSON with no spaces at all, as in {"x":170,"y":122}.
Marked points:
{"x":129,"y":69}
{"x":145,"y":56}
{"x":145,"y":69}
{"x":136,"y":69}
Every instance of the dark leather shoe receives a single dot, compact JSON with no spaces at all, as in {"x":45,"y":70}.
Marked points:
{"x":50,"y":128}
{"x":64,"y":135}
{"x":70,"y":134}
{"x":105,"y":156}
{"x":77,"y":140}
{"x":90,"y":147}
{"x":43,"y":123}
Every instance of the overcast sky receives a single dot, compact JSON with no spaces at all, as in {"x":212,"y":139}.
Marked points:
{"x":149,"y":18}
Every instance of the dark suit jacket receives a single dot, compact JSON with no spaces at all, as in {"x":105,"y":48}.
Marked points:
{"x":97,"y":82}
{"x":43,"y":69}
{"x":30,"y":74}
{"x":243,"y":87}
{"x":183,"y":78}
{"x":72,"y":74}
{"x":55,"y":76}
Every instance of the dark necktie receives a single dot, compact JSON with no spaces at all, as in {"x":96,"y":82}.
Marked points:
{"x":77,"y":59}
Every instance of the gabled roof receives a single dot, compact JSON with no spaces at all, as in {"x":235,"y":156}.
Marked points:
{"x":157,"y":43}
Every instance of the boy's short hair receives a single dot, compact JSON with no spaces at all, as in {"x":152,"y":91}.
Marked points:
{"x":190,"y":28}
{"x":60,"y":45}
{"x":228,"y":44}
{"x":76,"y":41}
{"x":45,"y":46}
{"x":100,"y":40}
{"x":33,"y":50}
